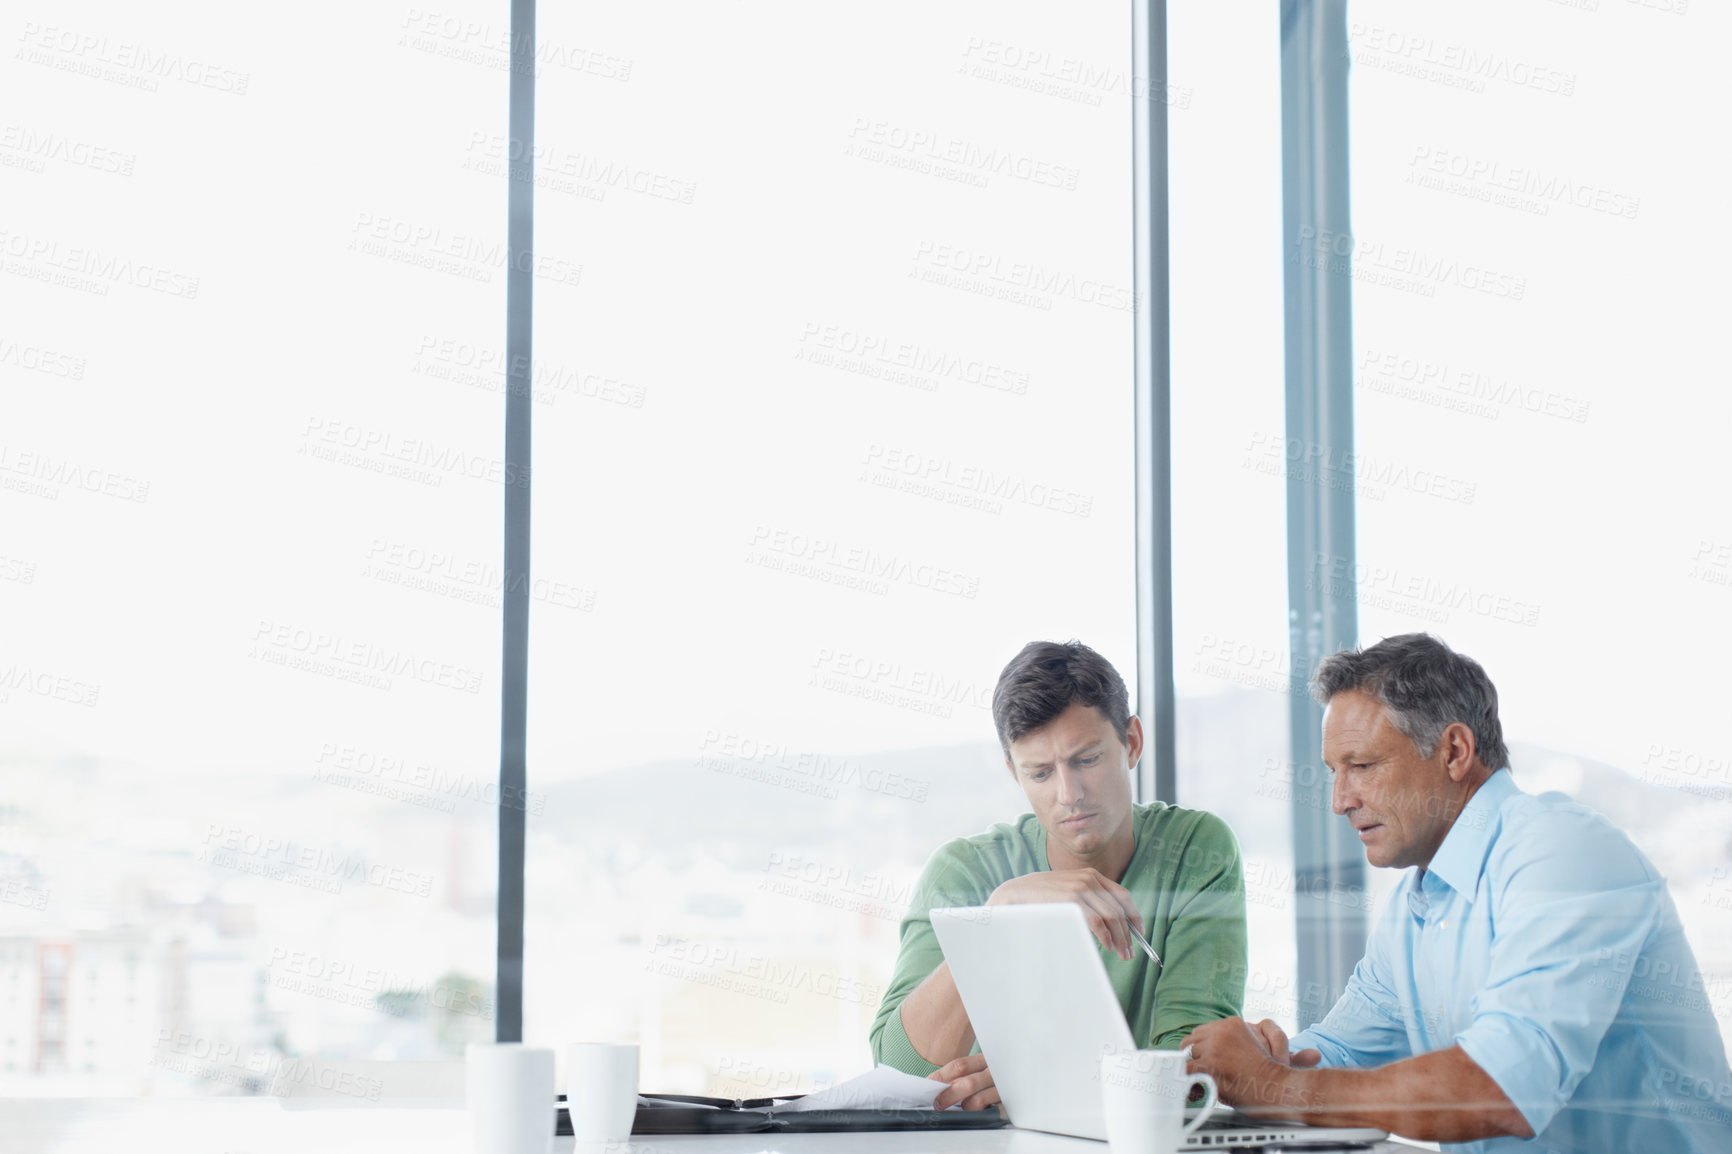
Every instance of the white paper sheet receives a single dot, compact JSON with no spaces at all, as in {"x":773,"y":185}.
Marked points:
{"x":885,"y":1088}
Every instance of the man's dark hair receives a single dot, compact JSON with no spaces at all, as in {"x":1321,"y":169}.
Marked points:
{"x":1046,"y":679}
{"x":1425,"y":685}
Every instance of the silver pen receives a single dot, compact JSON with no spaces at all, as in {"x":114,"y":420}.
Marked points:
{"x":1144,"y":942}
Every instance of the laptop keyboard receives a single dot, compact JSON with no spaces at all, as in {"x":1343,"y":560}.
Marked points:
{"x":1228,"y":1131}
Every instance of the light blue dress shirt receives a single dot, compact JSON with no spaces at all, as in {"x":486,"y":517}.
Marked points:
{"x":1545,"y":945}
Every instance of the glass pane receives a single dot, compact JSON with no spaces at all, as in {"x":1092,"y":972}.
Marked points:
{"x":1542,"y":461}
{"x":250,"y":485}
{"x":1230,"y":657}
{"x":838,"y":418}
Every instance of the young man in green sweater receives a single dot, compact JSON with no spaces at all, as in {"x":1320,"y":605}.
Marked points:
{"x":1064,"y":721}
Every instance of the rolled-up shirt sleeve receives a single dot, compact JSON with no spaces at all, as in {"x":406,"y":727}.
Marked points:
{"x":1573,"y":909}
{"x":942,"y":883}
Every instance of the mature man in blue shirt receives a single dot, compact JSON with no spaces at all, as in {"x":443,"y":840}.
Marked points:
{"x":1528,"y":980}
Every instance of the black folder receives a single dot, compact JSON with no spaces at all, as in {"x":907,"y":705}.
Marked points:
{"x":688,"y":1114}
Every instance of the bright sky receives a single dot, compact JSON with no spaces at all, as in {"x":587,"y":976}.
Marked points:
{"x":749,"y":231}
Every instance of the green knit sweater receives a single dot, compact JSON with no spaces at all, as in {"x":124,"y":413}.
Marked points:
{"x":1187,"y":880}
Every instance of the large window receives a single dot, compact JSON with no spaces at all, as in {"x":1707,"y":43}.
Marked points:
{"x":839,"y":418}
{"x":249,"y":480}
{"x":1230,"y":658}
{"x":1537,"y":239}
{"x":833,"y":411}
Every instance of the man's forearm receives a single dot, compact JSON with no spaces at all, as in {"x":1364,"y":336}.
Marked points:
{"x":934,"y":1020}
{"x":1439,"y":1097}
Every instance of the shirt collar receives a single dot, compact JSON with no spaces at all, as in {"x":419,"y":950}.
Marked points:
{"x":1461,"y":858}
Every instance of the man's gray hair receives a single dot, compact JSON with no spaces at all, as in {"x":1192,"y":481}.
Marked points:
{"x":1425,"y":685}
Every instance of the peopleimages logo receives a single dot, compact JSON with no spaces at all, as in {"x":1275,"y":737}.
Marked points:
{"x":39,"y":148}
{"x":460,"y":254}
{"x":958,"y":482}
{"x":726,"y":751}
{"x":1332,"y":467}
{"x":1418,"y":594}
{"x":1039,"y":70}
{"x":402,"y":778}
{"x":41,"y":683}
{"x":814,"y":555}
{"x":256,"y":1070}
{"x":1535,"y":188}
{"x":331,"y":438}
{"x":37,"y":359}
{"x":478,"y":366}
{"x":1400,"y":267}
{"x":1028,"y":283}
{"x":135,"y":65}
{"x":875,"y":354}
{"x":491,"y":45}
{"x":361,"y":657}
{"x":1454,"y":65}
{"x":872,"y":139}
{"x":472,"y":580}
{"x":1468,"y":390}
{"x":755,"y":975}
{"x":811,"y":871}
{"x":45,"y":473}
{"x":89,"y":269}
{"x":283,"y":859}
{"x":358,"y":984}
{"x":546,"y":161}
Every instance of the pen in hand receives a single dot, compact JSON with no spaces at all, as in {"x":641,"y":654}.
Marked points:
{"x":1144,"y":942}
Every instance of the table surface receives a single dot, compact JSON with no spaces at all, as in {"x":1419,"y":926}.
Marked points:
{"x":269,"y":1126}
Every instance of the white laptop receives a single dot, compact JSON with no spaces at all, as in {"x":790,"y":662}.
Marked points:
{"x":1044,"y":1012}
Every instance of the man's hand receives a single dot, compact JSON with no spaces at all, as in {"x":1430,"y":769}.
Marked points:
{"x":1109,"y":906}
{"x":970,"y":1083}
{"x":1274,"y":1040}
{"x":1248,"y":1063}
{"x":1441,"y":1096}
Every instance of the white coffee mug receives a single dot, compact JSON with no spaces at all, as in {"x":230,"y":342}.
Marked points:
{"x":1143,"y":1096}
{"x":601,"y":1090}
{"x":509,"y":1090}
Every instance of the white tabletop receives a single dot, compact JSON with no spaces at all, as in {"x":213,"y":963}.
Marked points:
{"x":268,"y":1126}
